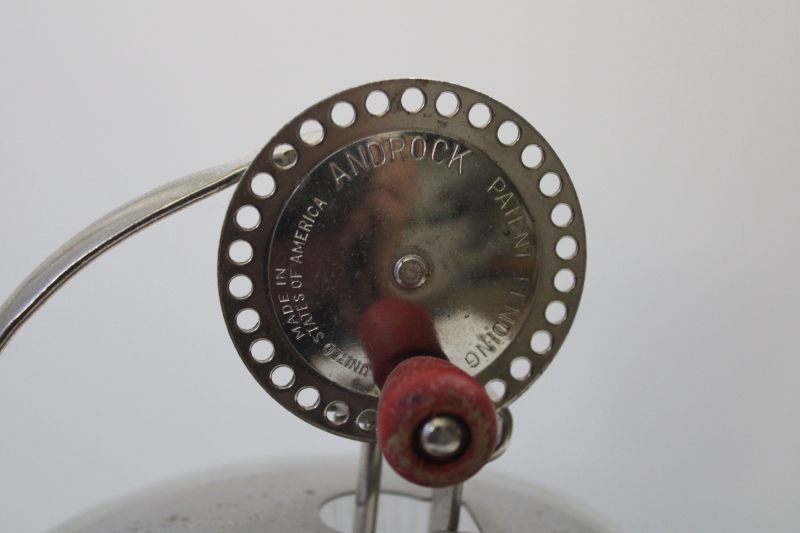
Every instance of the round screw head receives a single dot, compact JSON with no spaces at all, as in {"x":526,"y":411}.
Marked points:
{"x":411,"y":271}
{"x":442,"y":438}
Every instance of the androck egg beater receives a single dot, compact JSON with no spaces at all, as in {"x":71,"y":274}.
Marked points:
{"x":397,"y":265}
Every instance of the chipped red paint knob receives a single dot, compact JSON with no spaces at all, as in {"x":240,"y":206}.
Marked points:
{"x":436,"y":425}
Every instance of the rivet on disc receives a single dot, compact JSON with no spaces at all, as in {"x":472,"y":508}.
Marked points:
{"x":410,"y":271}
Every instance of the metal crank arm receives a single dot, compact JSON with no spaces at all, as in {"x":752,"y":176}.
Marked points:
{"x":107,"y":231}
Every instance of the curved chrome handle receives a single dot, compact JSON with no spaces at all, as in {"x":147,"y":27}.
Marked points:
{"x":109,"y":230}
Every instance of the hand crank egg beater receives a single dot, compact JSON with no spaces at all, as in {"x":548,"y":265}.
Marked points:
{"x":397,"y":265}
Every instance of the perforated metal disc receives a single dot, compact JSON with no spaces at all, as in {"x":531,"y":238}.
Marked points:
{"x":385,"y":191}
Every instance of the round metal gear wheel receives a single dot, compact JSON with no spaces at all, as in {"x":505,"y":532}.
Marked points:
{"x":410,"y":189}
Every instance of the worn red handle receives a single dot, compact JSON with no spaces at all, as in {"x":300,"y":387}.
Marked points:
{"x":436,"y":425}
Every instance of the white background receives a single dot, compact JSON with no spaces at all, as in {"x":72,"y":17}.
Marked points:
{"x":674,"y":403}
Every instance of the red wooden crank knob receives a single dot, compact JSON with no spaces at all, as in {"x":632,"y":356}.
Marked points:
{"x":392,"y":330}
{"x":436,"y":425}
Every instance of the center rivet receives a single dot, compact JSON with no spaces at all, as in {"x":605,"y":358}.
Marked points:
{"x":410,"y":271}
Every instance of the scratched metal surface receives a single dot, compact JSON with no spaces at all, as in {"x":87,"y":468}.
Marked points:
{"x":442,"y":187}
{"x":669,"y":407}
{"x":263,"y":498}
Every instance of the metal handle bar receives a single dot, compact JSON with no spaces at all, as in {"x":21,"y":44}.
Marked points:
{"x":107,"y":231}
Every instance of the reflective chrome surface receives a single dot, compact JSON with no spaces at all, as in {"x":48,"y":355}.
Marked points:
{"x":411,"y":271}
{"x":368,"y":488}
{"x":289,"y":499}
{"x":442,"y":438}
{"x":410,"y":204}
{"x":505,"y":428}
{"x":370,"y":211}
{"x":445,"y":508}
{"x":106,"y":232}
